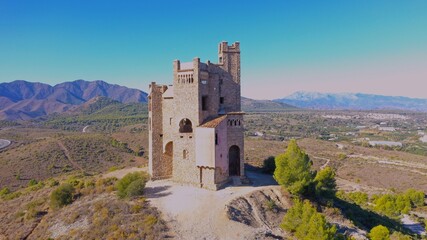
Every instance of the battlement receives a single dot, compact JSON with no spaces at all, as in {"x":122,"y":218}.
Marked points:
{"x":224,"y":47}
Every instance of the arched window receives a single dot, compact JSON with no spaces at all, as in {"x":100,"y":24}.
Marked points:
{"x":185,"y":154}
{"x":185,"y":126}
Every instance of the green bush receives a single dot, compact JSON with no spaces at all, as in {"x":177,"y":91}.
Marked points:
{"x":132,"y":184}
{"x":4,"y":191}
{"x":360,"y":198}
{"x":379,"y":233}
{"x":62,"y":196}
{"x":271,"y":205}
{"x":305,"y":222}
{"x":399,"y":236}
{"x":325,"y":184}
{"x":269,"y":165}
{"x":32,"y":182}
{"x":135,"y":188}
{"x":393,"y":205}
{"x":293,"y":169}
{"x":416,"y":197}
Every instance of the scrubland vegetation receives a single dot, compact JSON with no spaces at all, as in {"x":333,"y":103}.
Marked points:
{"x":50,"y":172}
{"x":83,"y":207}
{"x":378,"y":214}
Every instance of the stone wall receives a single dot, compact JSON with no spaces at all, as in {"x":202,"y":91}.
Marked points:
{"x":194,"y":82}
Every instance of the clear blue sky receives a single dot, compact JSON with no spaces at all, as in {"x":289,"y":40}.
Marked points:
{"x":287,"y":45}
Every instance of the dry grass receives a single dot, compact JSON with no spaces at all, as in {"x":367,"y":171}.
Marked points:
{"x":96,"y":213}
{"x":53,"y":154}
{"x":370,"y":170}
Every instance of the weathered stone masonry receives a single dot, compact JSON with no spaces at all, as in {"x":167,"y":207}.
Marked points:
{"x":196,"y":124}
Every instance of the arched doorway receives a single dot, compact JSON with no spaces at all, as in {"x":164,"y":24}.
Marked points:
{"x":169,"y":149}
{"x":167,"y":160}
{"x":234,"y":161}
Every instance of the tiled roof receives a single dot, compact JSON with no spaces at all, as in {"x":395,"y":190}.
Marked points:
{"x":214,"y":122}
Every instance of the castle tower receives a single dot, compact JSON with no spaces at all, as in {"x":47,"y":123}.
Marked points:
{"x":229,"y":57}
{"x":196,"y":124}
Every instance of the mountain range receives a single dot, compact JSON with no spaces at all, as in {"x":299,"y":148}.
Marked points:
{"x":22,"y":100}
{"x":353,"y":101}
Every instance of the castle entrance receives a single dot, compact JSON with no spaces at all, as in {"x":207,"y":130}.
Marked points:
{"x":168,"y":160}
{"x":234,"y":161}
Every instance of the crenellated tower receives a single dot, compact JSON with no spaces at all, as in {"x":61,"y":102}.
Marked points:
{"x":196,"y":124}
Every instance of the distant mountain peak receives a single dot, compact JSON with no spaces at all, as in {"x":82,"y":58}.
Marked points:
{"x":353,"y":101}
{"x":23,"y":100}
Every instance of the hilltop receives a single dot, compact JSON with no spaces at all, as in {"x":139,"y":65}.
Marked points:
{"x":23,"y":100}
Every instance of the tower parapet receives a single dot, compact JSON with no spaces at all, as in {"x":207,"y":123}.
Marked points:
{"x":229,"y":59}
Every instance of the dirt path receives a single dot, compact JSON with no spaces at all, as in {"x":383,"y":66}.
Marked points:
{"x":195,"y":213}
{"x":122,"y":172}
{"x":67,"y":154}
{"x":326,"y":163}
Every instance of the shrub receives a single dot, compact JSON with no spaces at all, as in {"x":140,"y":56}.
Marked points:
{"x":342,"y":156}
{"x":269,"y":165}
{"x":52,"y":182}
{"x":399,"y":236}
{"x":113,"y":168}
{"x":62,"y":196}
{"x":4,"y":191}
{"x":379,"y":233}
{"x":132,"y":184}
{"x":35,"y":187}
{"x":305,"y":222}
{"x":325,"y":182}
{"x":32,"y":182}
{"x":360,"y":198}
{"x":135,"y":188}
{"x":416,"y":197}
{"x":271,"y":205}
{"x":293,"y":169}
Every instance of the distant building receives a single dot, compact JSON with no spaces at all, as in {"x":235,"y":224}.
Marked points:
{"x":196,"y":124}
{"x":385,"y":143}
{"x":387,"y":129}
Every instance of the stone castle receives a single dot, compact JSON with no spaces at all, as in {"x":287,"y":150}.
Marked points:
{"x":196,"y":124}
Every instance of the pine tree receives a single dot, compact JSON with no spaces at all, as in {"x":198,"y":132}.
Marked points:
{"x":293,"y":169}
{"x":325,"y":184}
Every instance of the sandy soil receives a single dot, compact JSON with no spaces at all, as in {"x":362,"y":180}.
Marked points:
{"x":194,"y":213}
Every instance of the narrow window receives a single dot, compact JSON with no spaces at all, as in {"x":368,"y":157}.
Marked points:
{"x":204,"y":103}
{"x":221,"y":100}
{"x":184,"y":154}
{"x":216,"y":138}
{"x":170,"y":121}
